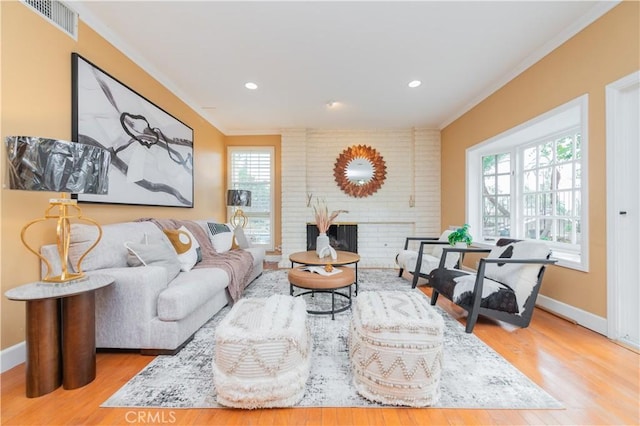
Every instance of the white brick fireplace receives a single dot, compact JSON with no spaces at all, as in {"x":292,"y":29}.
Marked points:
{"x":408,"y":203}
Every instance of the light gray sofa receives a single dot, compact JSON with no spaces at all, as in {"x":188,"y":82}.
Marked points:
{"x":146,"y":308}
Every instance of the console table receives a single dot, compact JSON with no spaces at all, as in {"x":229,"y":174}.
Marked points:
{"x":60,"y":332}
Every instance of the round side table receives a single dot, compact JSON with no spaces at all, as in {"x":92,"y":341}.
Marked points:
{"x":317,"y":283}
{"x":311,"y":258}
{"x":61,"y":339}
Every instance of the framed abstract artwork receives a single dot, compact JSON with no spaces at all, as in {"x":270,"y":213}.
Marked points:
{"x":151,"y":151}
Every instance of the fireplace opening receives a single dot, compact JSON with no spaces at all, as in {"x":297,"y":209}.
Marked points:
{"x":343,"y":237}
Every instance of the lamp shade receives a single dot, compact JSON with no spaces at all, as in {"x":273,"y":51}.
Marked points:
{"x":42,"y":164}
{"x":238,"y":197}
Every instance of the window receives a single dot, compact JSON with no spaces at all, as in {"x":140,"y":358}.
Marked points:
{"x":496,"y":195}
{"x":528,"y":183}
{"x":252,"y":168}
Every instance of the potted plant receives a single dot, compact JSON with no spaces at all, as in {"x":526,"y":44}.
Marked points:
{"x":461,"y":235}
{"x":323,"y":222}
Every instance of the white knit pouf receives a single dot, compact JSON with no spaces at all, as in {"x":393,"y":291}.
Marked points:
{"x":395,"y":348}
{"x":262,"y":353}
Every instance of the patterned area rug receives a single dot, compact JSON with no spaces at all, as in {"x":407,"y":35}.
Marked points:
{"x":474,"y":376}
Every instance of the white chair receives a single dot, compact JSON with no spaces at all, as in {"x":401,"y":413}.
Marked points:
{"x":427,"y":258}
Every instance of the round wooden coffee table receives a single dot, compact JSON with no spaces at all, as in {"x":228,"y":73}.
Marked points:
{"x":311,"y":258}
{"x":317,"y":283}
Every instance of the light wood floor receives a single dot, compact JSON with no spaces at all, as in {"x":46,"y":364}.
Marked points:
{"x":594,"y":378}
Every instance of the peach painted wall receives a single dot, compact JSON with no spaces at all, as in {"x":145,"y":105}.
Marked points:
{"x":36,"y":100}
{"x":270,"y":141}
{"x":603,"y":52}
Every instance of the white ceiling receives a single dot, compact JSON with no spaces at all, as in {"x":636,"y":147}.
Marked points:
{"x":358,"y":54}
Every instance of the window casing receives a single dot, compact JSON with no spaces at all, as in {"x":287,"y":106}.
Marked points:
{"x":530,"y":183}
{"x":252,"y":168}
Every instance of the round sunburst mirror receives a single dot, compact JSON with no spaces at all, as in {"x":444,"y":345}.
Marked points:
{"x":360,"y":171}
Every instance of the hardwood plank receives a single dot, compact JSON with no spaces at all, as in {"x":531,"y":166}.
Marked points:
{"x":595,"y":379}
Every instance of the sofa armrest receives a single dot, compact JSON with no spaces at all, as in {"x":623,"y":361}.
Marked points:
{"x":124,"y":310}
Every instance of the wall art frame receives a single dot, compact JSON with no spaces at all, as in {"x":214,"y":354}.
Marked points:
{"x":151,"y":150}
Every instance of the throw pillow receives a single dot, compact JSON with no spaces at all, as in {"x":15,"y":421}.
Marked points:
{"x":157,"y":254}
{"x":221,"y":236}
{"x":186,"y":247}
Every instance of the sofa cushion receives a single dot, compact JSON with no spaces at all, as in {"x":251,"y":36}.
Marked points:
{"x":154,"y":254}
{"x":190,"y":290}
{"x":110,"y":251}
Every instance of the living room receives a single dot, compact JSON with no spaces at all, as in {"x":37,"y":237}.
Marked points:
{"x":429,"y":197}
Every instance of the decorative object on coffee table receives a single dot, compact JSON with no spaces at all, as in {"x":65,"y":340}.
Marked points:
{"x":262,"y":353}
{"x":323,"y":222}
{"x":396,"y":347}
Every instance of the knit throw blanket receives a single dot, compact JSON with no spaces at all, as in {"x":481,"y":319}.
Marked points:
{"x":238,"y":264}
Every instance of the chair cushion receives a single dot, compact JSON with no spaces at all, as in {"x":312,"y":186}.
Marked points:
{"x":458,"y":286}
{"x":437,"y":248}
{"x":521,"y":277}
{"x":407,"y":259}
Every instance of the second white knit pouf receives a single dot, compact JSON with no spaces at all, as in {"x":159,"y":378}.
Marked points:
{"x":262,"y":353}
{"x":395,"y":348}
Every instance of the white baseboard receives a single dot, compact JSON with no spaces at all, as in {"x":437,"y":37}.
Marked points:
{"x":12,"y":356}
{"x":584,"y":318}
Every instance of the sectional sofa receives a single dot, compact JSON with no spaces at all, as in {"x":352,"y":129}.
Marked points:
{"x":171,"y":277}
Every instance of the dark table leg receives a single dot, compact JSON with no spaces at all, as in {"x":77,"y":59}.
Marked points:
{"x":78,"y":340}
{"x":44,"y":372}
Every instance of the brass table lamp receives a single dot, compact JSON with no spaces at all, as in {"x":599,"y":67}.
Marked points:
{"x":238,"y":198}
{"x":42,"y":164}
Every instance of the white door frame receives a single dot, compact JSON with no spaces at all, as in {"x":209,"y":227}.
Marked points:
{"x":614,"y":135}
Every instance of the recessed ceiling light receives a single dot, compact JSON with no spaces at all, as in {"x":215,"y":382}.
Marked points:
{"x":415,"y":83}
{"x":251,"y":86}
{"x":332,"y":104}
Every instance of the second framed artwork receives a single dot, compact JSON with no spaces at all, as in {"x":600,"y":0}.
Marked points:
{"x":151,"y":151}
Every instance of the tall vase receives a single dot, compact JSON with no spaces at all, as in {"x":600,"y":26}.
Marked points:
{"x":322,"y":241}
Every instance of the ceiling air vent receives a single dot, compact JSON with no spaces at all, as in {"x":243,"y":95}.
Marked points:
{"x":58,"y":14}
